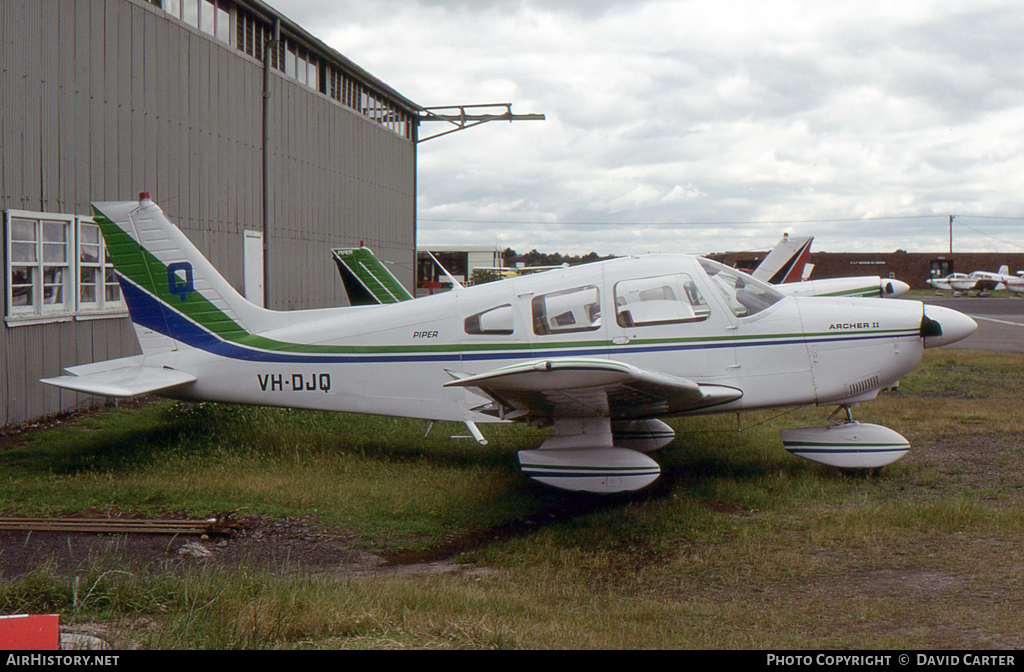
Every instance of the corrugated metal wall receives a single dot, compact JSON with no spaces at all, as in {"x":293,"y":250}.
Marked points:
{"x":102,"y":99}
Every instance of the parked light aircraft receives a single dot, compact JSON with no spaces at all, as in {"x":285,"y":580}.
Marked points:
{"x":983,"y":281}
{"x":945,"y":283}
{"x":599,"y":352}
{"x":787,"y":269}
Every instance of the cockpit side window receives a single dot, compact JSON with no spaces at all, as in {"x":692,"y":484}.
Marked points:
{"x":663,"y":299}
{"x":497,"y":321}
{"x":577,"y":309}
{"x":744,"y":295}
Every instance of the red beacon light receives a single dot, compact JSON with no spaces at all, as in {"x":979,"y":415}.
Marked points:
{"x":145,"y":196}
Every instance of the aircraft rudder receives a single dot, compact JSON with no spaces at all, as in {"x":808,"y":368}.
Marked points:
{"x":169,"y":286}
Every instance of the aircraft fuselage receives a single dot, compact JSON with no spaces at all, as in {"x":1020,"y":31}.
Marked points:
{"x":394,"y":359}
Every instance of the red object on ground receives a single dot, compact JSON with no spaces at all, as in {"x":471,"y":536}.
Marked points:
{"x":30,"y":633}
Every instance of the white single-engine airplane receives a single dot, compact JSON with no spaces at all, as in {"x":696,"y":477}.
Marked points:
{"x":787,"y":269}
{"x":982,"y":281}
{"x":598,"y":351}
{"x":946,"y":283}
{"x":986,"y":281}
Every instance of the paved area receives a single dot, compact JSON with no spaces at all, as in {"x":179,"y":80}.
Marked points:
{"x":1000,"y":321}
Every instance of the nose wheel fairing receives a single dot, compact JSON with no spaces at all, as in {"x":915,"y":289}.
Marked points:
{"x":846,"y":444}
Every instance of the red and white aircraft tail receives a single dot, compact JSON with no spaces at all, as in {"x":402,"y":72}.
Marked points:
{"x":786,"y":262}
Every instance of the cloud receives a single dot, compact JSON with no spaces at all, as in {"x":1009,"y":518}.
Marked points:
{"x":686,"y":113}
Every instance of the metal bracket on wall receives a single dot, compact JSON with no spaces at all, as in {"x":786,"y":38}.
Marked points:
{"x":468,"y":116}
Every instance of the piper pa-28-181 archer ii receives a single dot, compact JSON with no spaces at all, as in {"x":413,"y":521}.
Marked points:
{"x":599,"y":352}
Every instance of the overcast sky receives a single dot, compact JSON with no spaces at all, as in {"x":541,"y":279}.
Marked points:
{"x":703,"y":126}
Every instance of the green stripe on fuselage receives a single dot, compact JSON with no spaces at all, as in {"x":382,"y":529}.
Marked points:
{"x":147,"y":272}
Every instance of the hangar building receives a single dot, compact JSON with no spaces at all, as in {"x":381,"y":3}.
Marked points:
{"x":241,"y":138}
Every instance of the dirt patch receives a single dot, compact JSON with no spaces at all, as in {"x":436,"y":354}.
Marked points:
{"x":910,"y":582}
{"x":980,"y":462}
{"x":290,"y":546}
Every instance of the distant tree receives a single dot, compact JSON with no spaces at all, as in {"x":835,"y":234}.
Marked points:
{"x":482,"y":275}
{"x":534,"y":258}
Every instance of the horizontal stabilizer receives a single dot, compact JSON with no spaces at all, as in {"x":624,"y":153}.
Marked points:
{"x":120,"y":378}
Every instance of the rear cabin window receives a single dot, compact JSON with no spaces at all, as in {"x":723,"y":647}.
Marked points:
{"x":577,"y":309}
{"x":495,"y":321}
{"x":745,"y":295}
{"x":664,"y":299}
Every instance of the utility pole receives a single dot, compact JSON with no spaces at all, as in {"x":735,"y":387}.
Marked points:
{"x":951,"y":234}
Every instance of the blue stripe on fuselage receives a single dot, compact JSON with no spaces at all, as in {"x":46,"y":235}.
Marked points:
{"x":149,"y":312}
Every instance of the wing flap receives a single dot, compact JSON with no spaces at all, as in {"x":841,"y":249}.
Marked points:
{"x":592,"y":388}
{"x":120,"y":378}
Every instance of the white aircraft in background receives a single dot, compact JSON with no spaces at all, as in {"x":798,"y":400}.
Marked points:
{"x":787,"y":269}
{"x":946,"y":283}
{"x":1015,"y":283}
{"x":983,"y":281}
{"x":599,"y":352}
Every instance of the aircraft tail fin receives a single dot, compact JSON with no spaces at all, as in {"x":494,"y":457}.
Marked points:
{"x":786,"y":262}
{"x":1004,"y":270}
{"x":367,"y":281}
{"x":175,"y":296}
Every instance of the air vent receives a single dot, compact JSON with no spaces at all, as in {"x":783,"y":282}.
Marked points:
{"x":862,"y":386}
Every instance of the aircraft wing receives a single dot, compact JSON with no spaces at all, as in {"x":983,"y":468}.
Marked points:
{"x":125,"y":377}
{"x":579,"y":387}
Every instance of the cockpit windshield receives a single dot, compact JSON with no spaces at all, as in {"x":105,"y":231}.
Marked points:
{"x":744,"y":295}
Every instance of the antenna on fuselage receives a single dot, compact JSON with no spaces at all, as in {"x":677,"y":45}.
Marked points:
{"x":455,"y":283}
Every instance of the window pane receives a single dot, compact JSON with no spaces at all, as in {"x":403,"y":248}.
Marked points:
{"x":113,"y":294}
{"x":207,"y":18}
{"x":173,"y":7}
{"x":223,"y":24}
{"x":21,"y":297}
{"x":55,"y":252}
{"x":664,"y":299}
{"x":496,"y":321}
{"x":89,"y":276}
{"x":53,"y":295}
{"x":190,"y":12}
{"x":90,"y":254}
{"x":90,"y":234}
{"x":744,"y":295}
{"x":87,"y":294}
{"x":289,"y":62}
{"x":23,"y":252}
{"x":311,"y":78}
{"x":23,"y":229}
{"x":55,"y":232}
{"x":571,"y":310}
{"x":22,"y":275}
{"x":53,"y":275}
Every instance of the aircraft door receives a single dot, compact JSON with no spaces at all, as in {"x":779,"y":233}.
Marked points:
{"x":771,"y":362}
{"x":665,"y":319}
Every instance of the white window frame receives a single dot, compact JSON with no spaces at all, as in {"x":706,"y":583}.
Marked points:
{"x":104,"y":281}
{"x":71,"y":308}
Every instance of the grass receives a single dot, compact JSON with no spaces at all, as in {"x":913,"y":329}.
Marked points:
{"x":737,"y":545}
